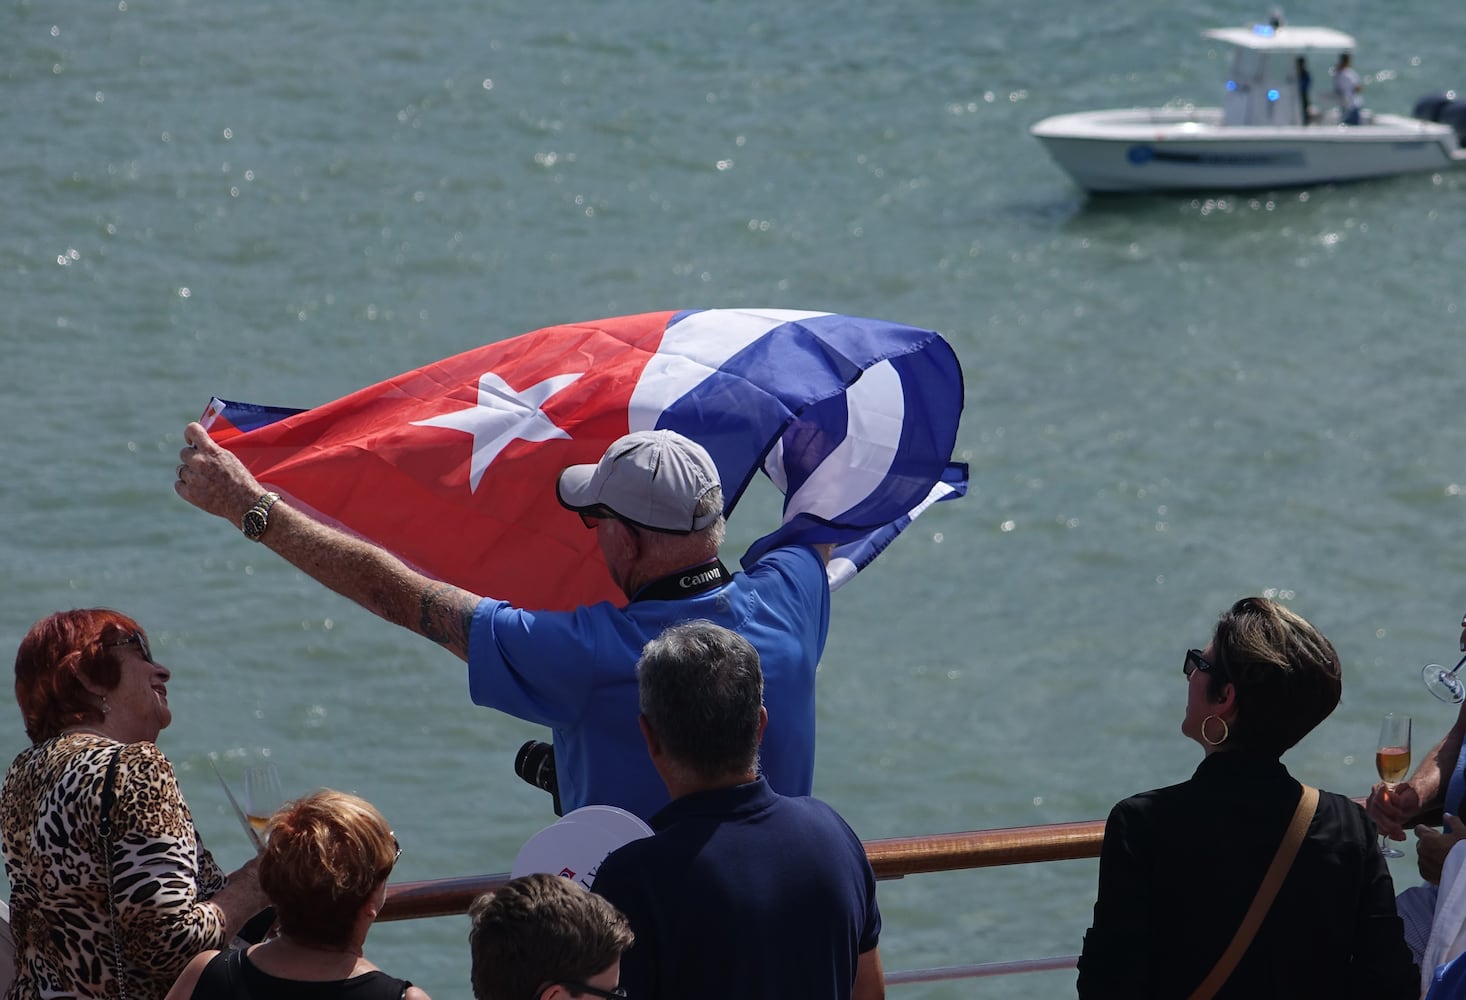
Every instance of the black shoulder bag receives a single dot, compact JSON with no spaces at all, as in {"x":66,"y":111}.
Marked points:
{"x":109,"y":798}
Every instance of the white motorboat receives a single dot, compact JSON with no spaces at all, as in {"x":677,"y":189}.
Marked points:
{"x":1263,"y":136}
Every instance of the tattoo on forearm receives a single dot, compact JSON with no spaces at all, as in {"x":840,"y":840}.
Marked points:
{"x":446,"y":615}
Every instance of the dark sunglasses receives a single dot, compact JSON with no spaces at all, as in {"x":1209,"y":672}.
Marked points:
{"x":581,"y":989}
{"x":600,"y":512}
{"x":396,"y":857}
{"x":136,"y":637}
{"x":1195,"y":661}
{"x":590,"y":516}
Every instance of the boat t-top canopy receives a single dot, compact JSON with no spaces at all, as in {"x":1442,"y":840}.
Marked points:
{"x":1287,"y":38}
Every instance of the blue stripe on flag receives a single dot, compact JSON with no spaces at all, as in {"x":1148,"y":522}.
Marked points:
{"x":853,"y":420}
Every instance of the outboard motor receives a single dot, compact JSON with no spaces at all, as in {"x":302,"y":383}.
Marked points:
{"x":1454,"y":115}
{"x":1428,"y":108}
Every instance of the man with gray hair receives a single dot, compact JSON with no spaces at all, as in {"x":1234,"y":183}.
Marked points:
{"x":656,"y":506}
{"x":742,"y":891}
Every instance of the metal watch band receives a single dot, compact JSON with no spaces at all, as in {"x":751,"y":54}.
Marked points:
{"x":257,"y":518}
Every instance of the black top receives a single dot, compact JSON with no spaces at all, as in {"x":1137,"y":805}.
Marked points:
{"x":230,"y":975}
{"x":1180,"y":866}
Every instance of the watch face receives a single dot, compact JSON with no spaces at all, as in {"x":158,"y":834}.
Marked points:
{"x":254,"y":522}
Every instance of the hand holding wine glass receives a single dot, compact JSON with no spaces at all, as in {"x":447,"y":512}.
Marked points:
{"x":1392,"y":761}
{"x":262,"y":794}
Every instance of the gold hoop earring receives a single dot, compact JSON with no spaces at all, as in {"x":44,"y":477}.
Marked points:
{"x":1226,"y":732}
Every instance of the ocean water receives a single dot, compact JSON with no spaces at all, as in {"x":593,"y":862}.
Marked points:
{"x":1172,"y":402}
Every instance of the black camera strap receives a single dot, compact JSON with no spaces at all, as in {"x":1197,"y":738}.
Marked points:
{"x":686,"y":582}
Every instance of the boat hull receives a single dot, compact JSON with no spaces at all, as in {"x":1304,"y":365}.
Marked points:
{"x":1163,"y":149}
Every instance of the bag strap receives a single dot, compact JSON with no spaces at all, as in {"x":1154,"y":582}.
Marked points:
{"x":109,"y":798}
{"x":1263,"y":901}
{"x":234,"y":965}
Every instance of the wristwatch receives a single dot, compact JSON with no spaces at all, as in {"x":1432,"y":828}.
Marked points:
{"x":257,"y":518}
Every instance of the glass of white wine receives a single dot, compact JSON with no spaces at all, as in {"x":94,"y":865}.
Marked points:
{"x":1392,"y":761}
{"x":262,"y":794}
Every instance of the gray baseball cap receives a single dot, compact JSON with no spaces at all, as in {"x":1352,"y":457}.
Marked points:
{"x":653,"y":479}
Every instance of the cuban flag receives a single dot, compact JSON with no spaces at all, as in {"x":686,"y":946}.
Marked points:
{"x":453,"y":466}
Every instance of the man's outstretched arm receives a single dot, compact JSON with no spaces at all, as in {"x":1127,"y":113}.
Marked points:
{"x":213,"y":479}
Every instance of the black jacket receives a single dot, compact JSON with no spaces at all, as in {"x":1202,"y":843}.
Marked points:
{"x":1180,"y":866}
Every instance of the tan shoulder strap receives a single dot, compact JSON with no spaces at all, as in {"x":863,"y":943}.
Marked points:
{"x":1263,"y":901}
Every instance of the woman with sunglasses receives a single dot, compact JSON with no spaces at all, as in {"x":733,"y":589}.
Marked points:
{"x":111,"y":890}
{"x":1181,"y":866}
{"x":325,"y":866}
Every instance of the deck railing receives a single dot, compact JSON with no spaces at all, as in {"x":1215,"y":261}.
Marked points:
{"x":894,"y":857}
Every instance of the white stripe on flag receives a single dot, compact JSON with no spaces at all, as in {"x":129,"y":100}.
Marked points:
{"x":875,"y":408}
{"x":939,"y":492}
{"x":695,"y":348}
{"x":842,"y":568}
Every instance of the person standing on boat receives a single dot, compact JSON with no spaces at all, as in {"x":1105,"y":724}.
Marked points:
{"x":741,"y":892}
{"x":656,"y":506}
{"x":1349,"y":88}
{"x":1305,"y":84}
{"x":1181,"y":866}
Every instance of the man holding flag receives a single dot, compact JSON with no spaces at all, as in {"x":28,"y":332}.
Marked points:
{"x":656,"y":506}
{"x":430,"y":499}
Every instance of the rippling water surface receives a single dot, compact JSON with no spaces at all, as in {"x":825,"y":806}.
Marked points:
{"x":1172,"y":402}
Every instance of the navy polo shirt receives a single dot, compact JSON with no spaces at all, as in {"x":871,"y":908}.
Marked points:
{"x":744,"y":892}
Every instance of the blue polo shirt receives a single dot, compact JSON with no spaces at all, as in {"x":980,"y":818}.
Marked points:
{"x":575,"y":671}
{"x":744,"y":893}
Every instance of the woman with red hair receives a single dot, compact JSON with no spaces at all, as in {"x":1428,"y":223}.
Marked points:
{"x":111,"y":891}
{"x":325,"y":866}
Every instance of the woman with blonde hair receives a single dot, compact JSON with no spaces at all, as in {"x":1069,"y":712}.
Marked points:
{"x":325,"y":866}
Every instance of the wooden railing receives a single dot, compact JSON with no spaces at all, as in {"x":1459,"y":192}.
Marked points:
{"x":1018,"y":845}
{"x":891,"y":858}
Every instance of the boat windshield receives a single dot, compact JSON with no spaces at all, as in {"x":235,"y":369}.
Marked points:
{"x":1262,"y":89}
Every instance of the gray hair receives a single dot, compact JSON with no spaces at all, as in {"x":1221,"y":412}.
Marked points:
{"x":709,"y":502}
{"x":701,"y":689}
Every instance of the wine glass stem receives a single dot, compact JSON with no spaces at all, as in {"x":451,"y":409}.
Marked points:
{"x":1384,"y":840}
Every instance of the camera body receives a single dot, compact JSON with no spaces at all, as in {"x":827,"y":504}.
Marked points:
{"x":535,"y":763}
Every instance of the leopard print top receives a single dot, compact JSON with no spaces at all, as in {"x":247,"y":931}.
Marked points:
{"x":50,"y":811}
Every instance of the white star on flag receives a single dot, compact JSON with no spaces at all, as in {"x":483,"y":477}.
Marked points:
{"x":503,"y":415}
